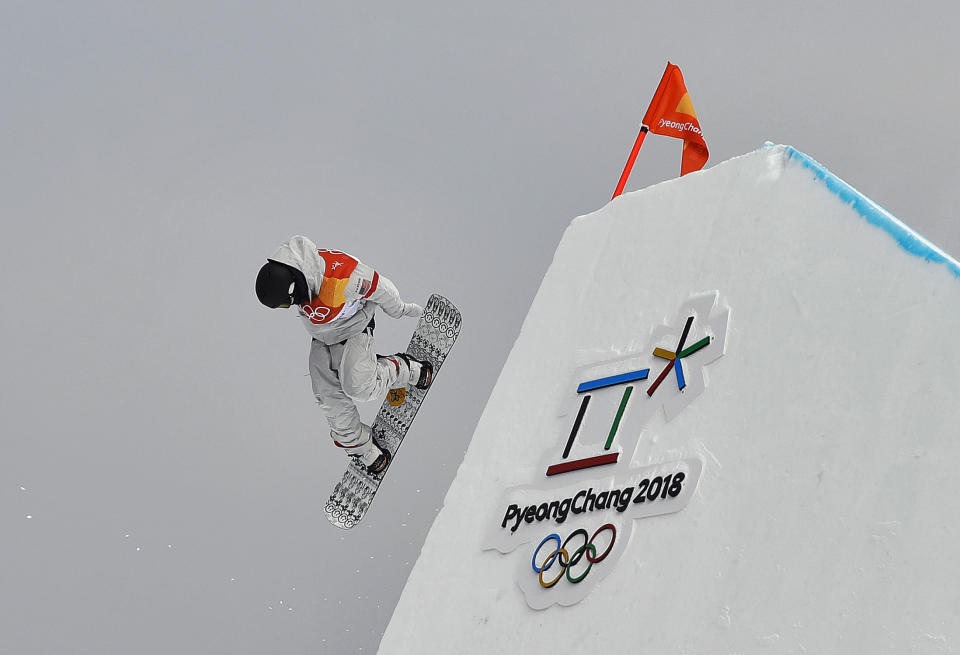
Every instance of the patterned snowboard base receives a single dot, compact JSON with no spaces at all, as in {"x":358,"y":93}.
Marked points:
{"x":435,"y":335}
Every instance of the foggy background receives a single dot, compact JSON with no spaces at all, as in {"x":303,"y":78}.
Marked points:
{"x":163,"y":465}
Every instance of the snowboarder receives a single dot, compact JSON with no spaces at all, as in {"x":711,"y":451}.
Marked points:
{"x":336,"y":296}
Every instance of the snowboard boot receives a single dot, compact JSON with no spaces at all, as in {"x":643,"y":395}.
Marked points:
{"x":374,"y":459}
{"x":421,"y":372}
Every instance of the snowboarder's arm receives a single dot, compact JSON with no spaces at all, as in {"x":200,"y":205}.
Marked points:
{"x":367,"y":285}
{"x":388,"y":297}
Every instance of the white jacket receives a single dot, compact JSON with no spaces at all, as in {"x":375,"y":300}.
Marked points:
{"x":342,"y":305}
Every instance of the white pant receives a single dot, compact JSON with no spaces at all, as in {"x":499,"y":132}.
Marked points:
{"x":346,"y":373}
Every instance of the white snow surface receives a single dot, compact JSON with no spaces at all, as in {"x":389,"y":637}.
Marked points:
{"x":825,"y":517}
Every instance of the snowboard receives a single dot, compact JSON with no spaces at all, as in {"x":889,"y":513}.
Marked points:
{"x":436,"y":332}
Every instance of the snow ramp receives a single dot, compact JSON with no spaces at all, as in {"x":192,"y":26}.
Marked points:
{"x":728,"y":424}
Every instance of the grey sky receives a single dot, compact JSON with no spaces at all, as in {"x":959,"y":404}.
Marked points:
{"x":154,"y":154}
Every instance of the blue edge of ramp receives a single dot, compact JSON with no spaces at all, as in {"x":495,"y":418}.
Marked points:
{"x":909,"y":240}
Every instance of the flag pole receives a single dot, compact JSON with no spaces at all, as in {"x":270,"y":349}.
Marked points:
{"x":630,"y":161}
{"x":644,"y":128}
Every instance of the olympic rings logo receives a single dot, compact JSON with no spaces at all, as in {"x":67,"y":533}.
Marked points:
{"x":561,"y":555}
{"x":315,"y":313}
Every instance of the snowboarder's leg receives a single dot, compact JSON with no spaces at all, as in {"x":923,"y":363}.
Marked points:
{"x":340,"y":410}
{"x":367,"y":377}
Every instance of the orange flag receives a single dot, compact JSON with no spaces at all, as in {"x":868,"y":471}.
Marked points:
{"x":671,"y":114}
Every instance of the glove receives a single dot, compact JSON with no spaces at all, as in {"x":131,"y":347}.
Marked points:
{"x":412,"y":309}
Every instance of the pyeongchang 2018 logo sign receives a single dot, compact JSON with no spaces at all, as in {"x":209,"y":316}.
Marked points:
{"x":578,"y":518}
